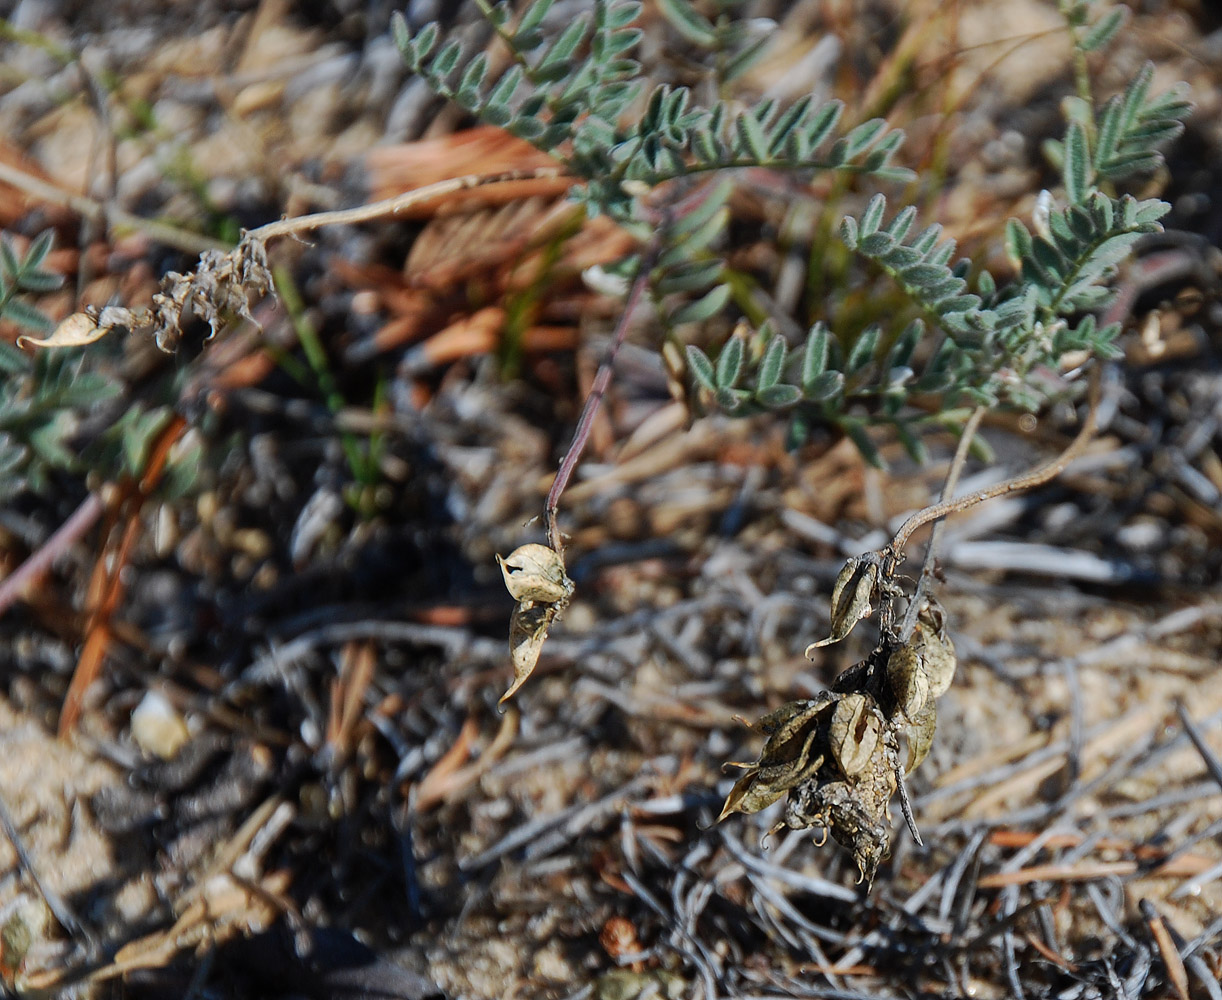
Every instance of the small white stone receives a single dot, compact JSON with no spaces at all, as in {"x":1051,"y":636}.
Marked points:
{"x":157,"y":726}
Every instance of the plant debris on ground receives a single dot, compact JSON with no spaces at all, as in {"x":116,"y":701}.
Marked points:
{"x":253,"y":627}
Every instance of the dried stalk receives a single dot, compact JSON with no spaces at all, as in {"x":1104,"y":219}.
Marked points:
{"x":397,"y":204}
{"x":935,"y":537}
{"x":1028,"y":480}
{"x":585,"y":424}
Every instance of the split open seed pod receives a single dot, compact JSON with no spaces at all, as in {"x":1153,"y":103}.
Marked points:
{"x":535,"y":577}
{"x":855,"y":733}
{"x":794,"y":751}
{"x":851,"y":599}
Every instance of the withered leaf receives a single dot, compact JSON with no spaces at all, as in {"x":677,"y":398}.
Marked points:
{"x":920,"y":735}
{"x":907,"y":678}
{"x":527,"y":629}
{"x":851,"y":599}
{"x":854,"y":734}
{"x":535,"y":572}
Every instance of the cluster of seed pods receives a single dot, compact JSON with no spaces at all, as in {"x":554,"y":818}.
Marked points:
{"x":838,"y":755}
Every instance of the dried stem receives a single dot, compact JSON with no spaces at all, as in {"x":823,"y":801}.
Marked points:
{"x":935,"y":537}
{"x":181,"y":239}
{"x":1028,"y":480}
{"x":91,"y":208}
{"x":65,"y":536}
{"x":55,"y":903}
{"x":397,"y":204}
{"x":581,"y":436}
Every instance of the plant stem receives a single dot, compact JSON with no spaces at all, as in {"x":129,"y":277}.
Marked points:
{"x":581,"y":436}
{"x":935,"y":537}
{"x":392,"y":206}
{"x":90,"y":208}
{"x":1028,"y":480}
{"x":189,"y":242}
{"x":64,"y":537}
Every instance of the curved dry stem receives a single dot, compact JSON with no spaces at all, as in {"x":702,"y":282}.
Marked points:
{"x":110,"y":215}
{"x":931,"y":550}
{"x":397,"y":204}
{"x":1028,"y":480}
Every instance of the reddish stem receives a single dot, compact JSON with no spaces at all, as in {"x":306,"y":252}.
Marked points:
{"x":598,"y":389}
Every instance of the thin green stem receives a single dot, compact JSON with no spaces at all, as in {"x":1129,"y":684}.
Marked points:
{"x":316,"y":357}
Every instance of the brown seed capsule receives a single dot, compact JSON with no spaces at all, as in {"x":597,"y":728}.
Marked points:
{"x":535,"y":573}
{"x":851,"y":597}
{"x":854,"y":733}
{"x":907,"y":678}
{"x":790,"y":756}
{"x":920,"y":735}
{"x":527,"y":631}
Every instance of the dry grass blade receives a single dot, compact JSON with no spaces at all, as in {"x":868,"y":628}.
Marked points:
{"x":1161,"y":933}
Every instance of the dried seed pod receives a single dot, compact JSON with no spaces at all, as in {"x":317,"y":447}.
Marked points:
{"x":535,"y":578}
{"x":851,"y":597}
{"x":854,"y":734}
{"x":920,"y":735}
{"x":781,"y":724}
{"x":750,"y":794}
{"x":789,"y":756}
{"x":535,"y":573}
{"x":907,"y":678}
{"x":527,"y":630}
{"x":937,"y":653}
{"x":77,"y":330}
{"x":854,"y":812}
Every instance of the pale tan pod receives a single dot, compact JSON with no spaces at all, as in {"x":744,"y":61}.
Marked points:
{"x":854,"y":733}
